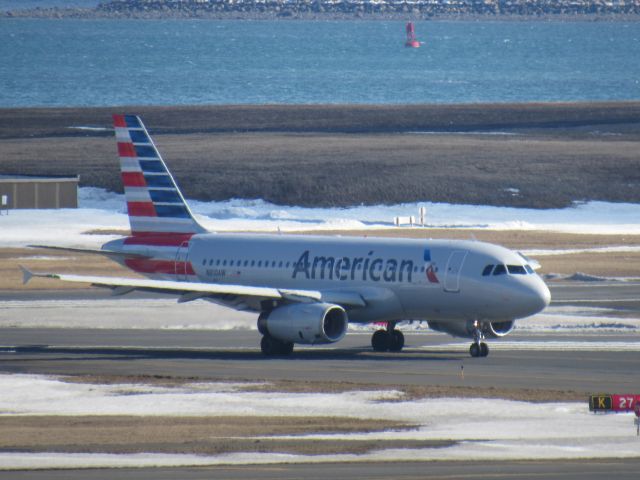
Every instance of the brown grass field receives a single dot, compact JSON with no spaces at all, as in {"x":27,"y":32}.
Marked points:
{"x":349,"y":155}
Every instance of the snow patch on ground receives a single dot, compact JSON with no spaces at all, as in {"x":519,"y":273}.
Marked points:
{"x":574,"y":251}
{"x":103,"y":210}
{"x":543,"y":346}
{"x":577,"y":319}
{"x":159,"y":314}
{"x":167,"y":314}
{"x":503,"y":430}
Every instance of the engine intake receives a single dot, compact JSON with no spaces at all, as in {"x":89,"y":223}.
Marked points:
{"x":500,"y":329}
{"x":465,"y":329}
{"x":307,"y":323}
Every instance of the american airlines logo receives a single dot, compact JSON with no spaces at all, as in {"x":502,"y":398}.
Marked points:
{"x":369,"y":268}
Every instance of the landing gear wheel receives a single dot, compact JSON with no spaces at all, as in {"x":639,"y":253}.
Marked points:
{"x":396,"y":343}
{"x":479,"y":349}
{"x":380,"y":341}
{"x":286,"y":348}
{"x":271,"y":346}
{"x":268,"y":345}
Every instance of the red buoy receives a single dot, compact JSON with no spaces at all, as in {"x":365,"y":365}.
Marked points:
{"x":412,"y":41}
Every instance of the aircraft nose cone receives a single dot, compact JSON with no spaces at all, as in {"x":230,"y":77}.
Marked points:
{"x":539,"y":296}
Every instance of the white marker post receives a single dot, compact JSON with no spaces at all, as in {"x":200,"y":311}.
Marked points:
{"x":423,"y":214}
{"x":4,"y":203}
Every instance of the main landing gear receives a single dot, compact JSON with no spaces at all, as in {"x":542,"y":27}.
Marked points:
{"x":389,"y":340}
{"x":478,"y":348}
{"x":272,"y":346}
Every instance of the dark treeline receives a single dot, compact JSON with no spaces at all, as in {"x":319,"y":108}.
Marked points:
{"x":347,"y":8}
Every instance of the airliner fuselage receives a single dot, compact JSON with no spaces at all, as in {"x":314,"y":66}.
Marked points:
{"x":397,"y":279}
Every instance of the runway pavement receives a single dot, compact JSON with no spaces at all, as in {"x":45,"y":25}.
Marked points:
{"x":626,"y":469}
{"x":233,"y":355}
{"x":556,"y":361}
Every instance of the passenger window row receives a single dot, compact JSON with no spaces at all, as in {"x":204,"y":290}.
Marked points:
{"x":246,"y":263}
{"x":502,"y":269}
{"x":272,"y":264}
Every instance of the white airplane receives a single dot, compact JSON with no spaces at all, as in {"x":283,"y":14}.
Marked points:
{"x":307,"y":289}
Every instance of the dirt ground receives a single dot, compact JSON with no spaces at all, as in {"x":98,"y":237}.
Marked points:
{"x":193,"y":435}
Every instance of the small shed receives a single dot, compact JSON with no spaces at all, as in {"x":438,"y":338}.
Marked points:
{"x":26,"y":191}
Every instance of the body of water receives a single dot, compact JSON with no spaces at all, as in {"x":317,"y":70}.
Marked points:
{"x":111,"y":62}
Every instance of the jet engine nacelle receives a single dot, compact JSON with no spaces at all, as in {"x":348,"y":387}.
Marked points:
{"x":308,"y":323}
{"x":465,"y":329}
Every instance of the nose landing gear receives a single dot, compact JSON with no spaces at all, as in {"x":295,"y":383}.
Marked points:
{"x":389,"y":340}
{"x":478,"y":348}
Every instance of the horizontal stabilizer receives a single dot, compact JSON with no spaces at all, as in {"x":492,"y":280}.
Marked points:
{"x":26,"y":275}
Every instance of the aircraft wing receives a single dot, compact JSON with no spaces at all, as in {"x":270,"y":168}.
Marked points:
{"x":106,"y":253}
{"x":231,"y":295}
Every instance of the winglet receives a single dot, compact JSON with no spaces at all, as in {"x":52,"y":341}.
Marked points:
{"x":26,"y":275}
{"x":533,"y":263}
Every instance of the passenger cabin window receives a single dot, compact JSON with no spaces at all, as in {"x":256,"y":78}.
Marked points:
{"x":516,"y":270}
{"x":500,"y":270}
{"x":487,"y":270}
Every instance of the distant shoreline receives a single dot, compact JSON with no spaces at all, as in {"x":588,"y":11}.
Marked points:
{"x":268,"y":15}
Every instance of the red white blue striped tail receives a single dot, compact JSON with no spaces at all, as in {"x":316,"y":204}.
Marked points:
{"x":155,"y":205}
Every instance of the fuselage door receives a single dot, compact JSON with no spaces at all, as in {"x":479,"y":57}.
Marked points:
{"x":452,"y":272}
{"x":182,"y":260}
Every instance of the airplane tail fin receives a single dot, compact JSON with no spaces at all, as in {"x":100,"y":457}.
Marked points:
{"x":155,"y":204}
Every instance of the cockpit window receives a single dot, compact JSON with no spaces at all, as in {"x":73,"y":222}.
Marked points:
{"x":487,"y":270}
{"x":516,"y":270}
{"x":500,"y":270}
{"x":528,"y":268}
